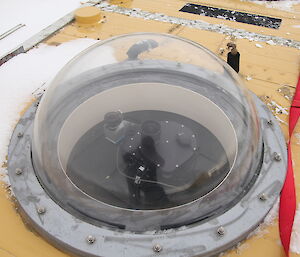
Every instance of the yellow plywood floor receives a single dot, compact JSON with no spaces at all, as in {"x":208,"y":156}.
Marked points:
{"x":271,"y":72}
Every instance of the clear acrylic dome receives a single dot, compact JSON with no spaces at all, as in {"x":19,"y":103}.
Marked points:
{"x":146,"y":131}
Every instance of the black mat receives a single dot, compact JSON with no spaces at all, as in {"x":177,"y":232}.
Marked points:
{"x":258,"y":20}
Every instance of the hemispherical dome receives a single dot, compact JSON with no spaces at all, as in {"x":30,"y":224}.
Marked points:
{"x":142,"y":124}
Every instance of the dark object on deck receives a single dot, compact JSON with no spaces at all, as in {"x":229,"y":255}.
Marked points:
{"x":233,"y":57}
{"x":234,"y":61}
{"x":231,"y":15}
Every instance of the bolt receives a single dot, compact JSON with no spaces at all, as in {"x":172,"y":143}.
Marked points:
{"x":41,"y":210}
{"x":157,"y":248}
{"x":277,"y":157}
{"x":221,"y":231}
{"x":90,"y":239}
{"x":19,"y":171}
{"x":262,"y":197}
{"x":20,"y":134}
{"x":270,"y":122}
{"x":158,"y":165}
{"x":176,"y":165}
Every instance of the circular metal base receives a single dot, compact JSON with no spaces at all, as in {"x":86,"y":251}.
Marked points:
{"x":205,"y":239}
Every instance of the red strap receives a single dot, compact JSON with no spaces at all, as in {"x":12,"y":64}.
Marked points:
{"x":287,"y":205}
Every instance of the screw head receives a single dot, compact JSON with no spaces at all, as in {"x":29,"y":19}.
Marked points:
{"x":41,"y":210}
{"x":277,"y":157}
{"x":157,"y":248}
{"x":20,"y":134}
{"x":262,"y":197}
{"x":221,"y":231}
{"x":90,"y":239}
{"x":18,"y":171}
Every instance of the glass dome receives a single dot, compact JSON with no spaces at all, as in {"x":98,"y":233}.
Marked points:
{"x":146,"y":131}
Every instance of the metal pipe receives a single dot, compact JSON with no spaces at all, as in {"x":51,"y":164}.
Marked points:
{"x":12,"y":30}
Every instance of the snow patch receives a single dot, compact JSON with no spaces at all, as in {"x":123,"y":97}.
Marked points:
{"x":281,"y":121}
{"x":271,"y":42}
{"x":278,"y":109}
{"x":36,"y":15}
{"x":286,"y":5}
{"x":297,"y":136}
{"x":269,"y":219}
{"x":295,"y":239}
{"x":22,"y":76}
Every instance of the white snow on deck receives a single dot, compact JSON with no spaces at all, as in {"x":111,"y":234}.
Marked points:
{"x":25,"y":73}
{"x":295,"y":240}
{"x":35,"y":14}
{"x":285,"y":5}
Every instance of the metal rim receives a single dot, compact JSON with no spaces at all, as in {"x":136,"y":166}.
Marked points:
{"x":84,"y":239}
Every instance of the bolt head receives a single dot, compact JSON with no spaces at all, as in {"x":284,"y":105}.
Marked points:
{"x":90,"y":239}
{"x":20,"y":134}
{"x":41,"y":210}
{"x":263,"y":197}
{"x":157,"y":248}
{"x":277,"y":157}
{"x":19,"y":171}
{"x":270,"y":122}
{"x":221,"y":231}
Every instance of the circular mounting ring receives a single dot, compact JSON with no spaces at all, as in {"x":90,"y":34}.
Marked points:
{"x":215,"y":236}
